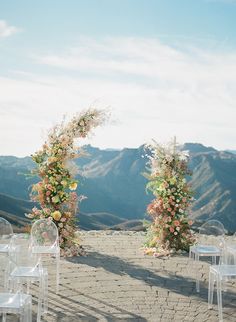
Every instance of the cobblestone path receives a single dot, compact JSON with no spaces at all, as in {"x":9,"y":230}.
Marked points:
{"x":116,"y":282}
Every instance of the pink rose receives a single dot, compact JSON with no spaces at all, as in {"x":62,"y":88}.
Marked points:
{"x":45,"y":235}
{"x":176,"y":223}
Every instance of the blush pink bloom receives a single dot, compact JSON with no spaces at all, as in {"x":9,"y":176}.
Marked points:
{"x":50,"y":187}
{"x":176,"y":223}
{"x":45,"y":235}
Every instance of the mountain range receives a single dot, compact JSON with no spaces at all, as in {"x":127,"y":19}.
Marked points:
{"x":114,"y":185}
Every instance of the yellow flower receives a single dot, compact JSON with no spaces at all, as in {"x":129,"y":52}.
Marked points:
{"x":64,"y":183}
{"x":56,"y":215}
{"x":68,"y":214}
{"x":73,"y":186}
{"x":52,"y":159}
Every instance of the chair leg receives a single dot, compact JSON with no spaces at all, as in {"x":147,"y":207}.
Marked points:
{"x":211,"y":288}
{"x":40,"y":298}
{"x":27,"y":316}
{"x":197,"y":274}
{"x":58,"y":272}
{"x":28,"y":286}
{"x":219,"y":298}
{"x":39,"y":309}
{"x":190,"y":254}
{"x":45,"y":291}
{"x":4,"y":317}
{"x":29,"y":312}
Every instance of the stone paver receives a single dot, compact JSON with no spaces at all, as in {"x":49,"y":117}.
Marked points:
{"x":116,"y":282}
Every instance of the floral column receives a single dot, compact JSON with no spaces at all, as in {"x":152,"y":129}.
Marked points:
{"x":169,"y":230}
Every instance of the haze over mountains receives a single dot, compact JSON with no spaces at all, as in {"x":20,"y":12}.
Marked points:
{"x":115,"y":187}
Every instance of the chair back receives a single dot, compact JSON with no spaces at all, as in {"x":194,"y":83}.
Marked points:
{"x":20,"y":254}
{"x":212,"y":232}
{"x":44,"y":232}
{"x":6,"y":231}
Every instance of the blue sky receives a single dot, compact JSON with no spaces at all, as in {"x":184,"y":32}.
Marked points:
{"x":164,"y":68}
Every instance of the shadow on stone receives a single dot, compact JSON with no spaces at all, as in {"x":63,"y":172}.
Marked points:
{"x":172,"y":282}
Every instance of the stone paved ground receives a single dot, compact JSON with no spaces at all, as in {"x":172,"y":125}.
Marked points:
{"x":116,"y":282}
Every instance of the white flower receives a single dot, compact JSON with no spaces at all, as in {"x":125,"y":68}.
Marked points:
{"x":184,"y":155}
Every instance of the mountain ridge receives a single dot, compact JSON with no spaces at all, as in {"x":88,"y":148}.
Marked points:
{"x":112,"y":181}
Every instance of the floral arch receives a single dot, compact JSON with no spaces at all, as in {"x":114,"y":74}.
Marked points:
{"x":56,"y":190}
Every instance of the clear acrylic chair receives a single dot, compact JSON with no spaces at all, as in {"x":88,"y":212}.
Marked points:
{"x":210,"y":244}
{"x":16,"y":303}
{"x":26,"y":268}
{"x":218,"y":274}
{"x":6,"y":232}
{"x":230,"y":250}
{"x":45,"y":241}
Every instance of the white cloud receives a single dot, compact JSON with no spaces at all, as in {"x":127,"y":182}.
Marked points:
{"x":7,"y":30}
{"x":155,"y":91}
{"x":147,"y":58}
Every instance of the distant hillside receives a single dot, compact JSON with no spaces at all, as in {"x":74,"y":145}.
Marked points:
{"x":13,"y":179}
{"x":214,"y":180}
{"x":231,"y":151}
{"x":113,"y":183}
{"x":15,"y":206}
{"x":135,"y":224}
{"x":97,"y":221}
{"x":14,"y":209}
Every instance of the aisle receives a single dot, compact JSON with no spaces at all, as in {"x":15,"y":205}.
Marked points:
{"x":115,"y":282}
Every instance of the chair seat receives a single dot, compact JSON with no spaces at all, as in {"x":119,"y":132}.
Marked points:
{"x":231,"y":248}
{"x":206,"y":250}
{"x":26,"y":272}
{"x":4,"y":248}
{"x":45,"y":250}
{"x":13,"y":301}
{"x":224,"y":270}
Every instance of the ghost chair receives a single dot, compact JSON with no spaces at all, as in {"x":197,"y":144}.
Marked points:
{"x":218,"y":275}
{"x":16,"y":303}
{"x":6,"y":232}
{"x":26,"y":268}
{"x":210,"y":244}
{"x":44,"y":239}
{"x":230,"y":250}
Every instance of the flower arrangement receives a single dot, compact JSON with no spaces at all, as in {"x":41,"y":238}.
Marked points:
{"x":169,"y":230}
{"x":56,"y":190}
